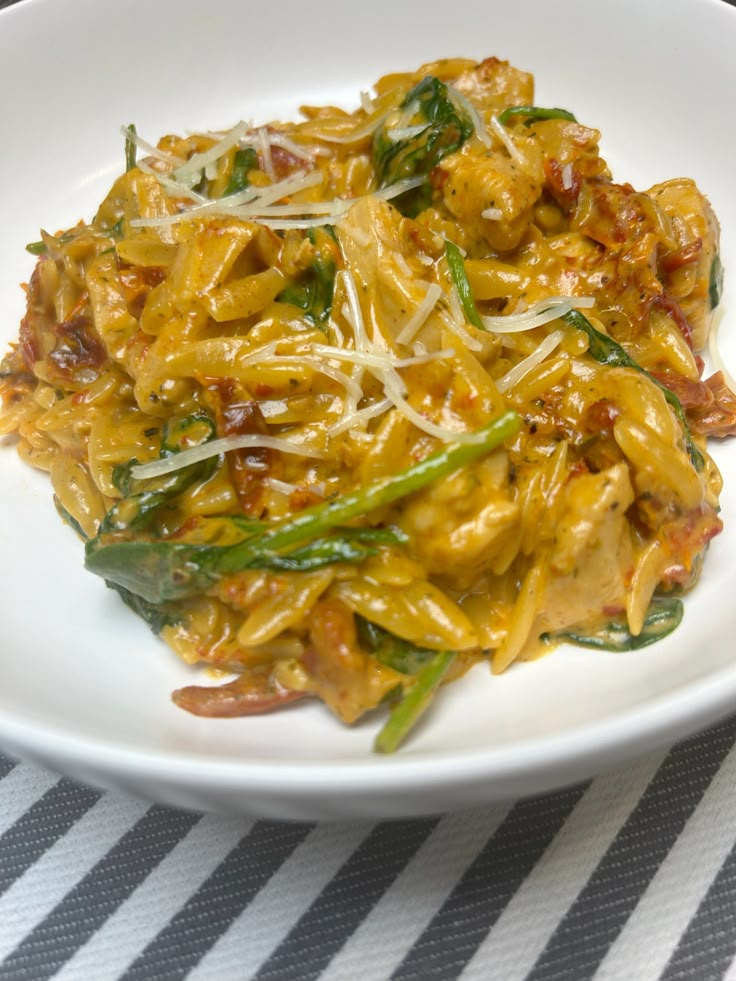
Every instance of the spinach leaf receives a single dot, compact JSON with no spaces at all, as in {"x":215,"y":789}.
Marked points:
{"x":393,"y":651}
{"x":607,"y":351}
{"x":664,"y":616}
{"x":533,"y":113}
{"x":184,"y":433}
{"x":40,"y":247}
{"x":313,"y":292}
{"x":351,"y":545}
{"x":445,"y":127}
{"x":156,"y":615}
{"x":459,"y":277}
{"x":715,"y":285}
{"x":130,"y":149}
{"x":69,"y":519}
{"x":243,"y":162}
{"x":142,"y":498}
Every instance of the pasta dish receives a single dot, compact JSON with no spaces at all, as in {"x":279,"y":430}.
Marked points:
{"x":345,"y":406}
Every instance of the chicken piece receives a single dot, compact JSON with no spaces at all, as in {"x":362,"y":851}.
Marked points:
{"x":615,"y":215}
{"x":565,"y":143}
{"x":457,"y":522}
{"x":593,"y":555}
{"x":474,"y":182}
{"x":494,"y":84}
{"x":380,"y":266}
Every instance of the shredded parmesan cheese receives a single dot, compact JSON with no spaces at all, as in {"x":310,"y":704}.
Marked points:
{"x":153,"y":151}
{"x":356,"y":135}
{"x":170,"y":464}
{"x":455,"y":320}
{"x":258,"y":204}
{"x":349,"y":384}
{"x":359,"y":417}
{"x":366,"y":103}
{"x":352,"y":312}
{"x":504,"y":136}
{"x":264,"y":151}
{"x":188,"y":173}
{"x":463,"y":102}
{"x":400,"y":187}
{"x":407,"y":114}
{"x":384,"y":369}
{"x":414,"y":324}
{"x":522,"y":369}
{"x":176,"y":190}
{"x":420,"y":421}
{"x":375,"y":358}
{"x":280,"y":486}
{"x":286,"y":143}
{"x":398,"y":134}
{"x":537,"y":314}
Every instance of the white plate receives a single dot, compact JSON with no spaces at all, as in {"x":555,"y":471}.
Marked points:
{"x":84,"y":687}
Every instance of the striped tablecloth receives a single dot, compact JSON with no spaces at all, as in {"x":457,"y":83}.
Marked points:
{"x":629,"y":877}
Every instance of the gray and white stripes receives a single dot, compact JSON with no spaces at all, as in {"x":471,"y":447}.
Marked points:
{"x":630,"y":876}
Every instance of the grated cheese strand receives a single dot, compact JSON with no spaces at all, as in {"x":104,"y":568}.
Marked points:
{"x":400,"y":187}
{"x":153,"y":151}
{"x":176,"y":190}
{"x":417,"y":320}
{"x":188,"y":173}
{"x":366,"y":129}
{"x":352,"y":388}
{"x":420,"y":421}
{"x":398,"y":134}
{"x":454,"y":319}
{"x":359,"y":417}
{"x":233,"y":204}
{"x":280,"y":486}
{"x":307,"y":154}
{"x":522,"y":369}
{"x":407,"y":115}
{"x":481,"y":130}
{"x":366,"y":103}
{"x":257,"y":207}
{"x":513,"y":151}
{"x":170,"y":464}
{"x":538,"y":314}
{"x":263,"y":143}
{"x":300,"y":181}
{"x":378,"y":359}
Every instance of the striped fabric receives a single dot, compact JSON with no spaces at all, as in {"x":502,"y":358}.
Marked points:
{"x":629,"y":877}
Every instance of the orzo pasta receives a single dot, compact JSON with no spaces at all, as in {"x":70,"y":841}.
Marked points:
{"x":345,"y":406}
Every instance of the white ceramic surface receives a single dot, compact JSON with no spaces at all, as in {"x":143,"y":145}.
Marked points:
{"x":84,"y":686}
